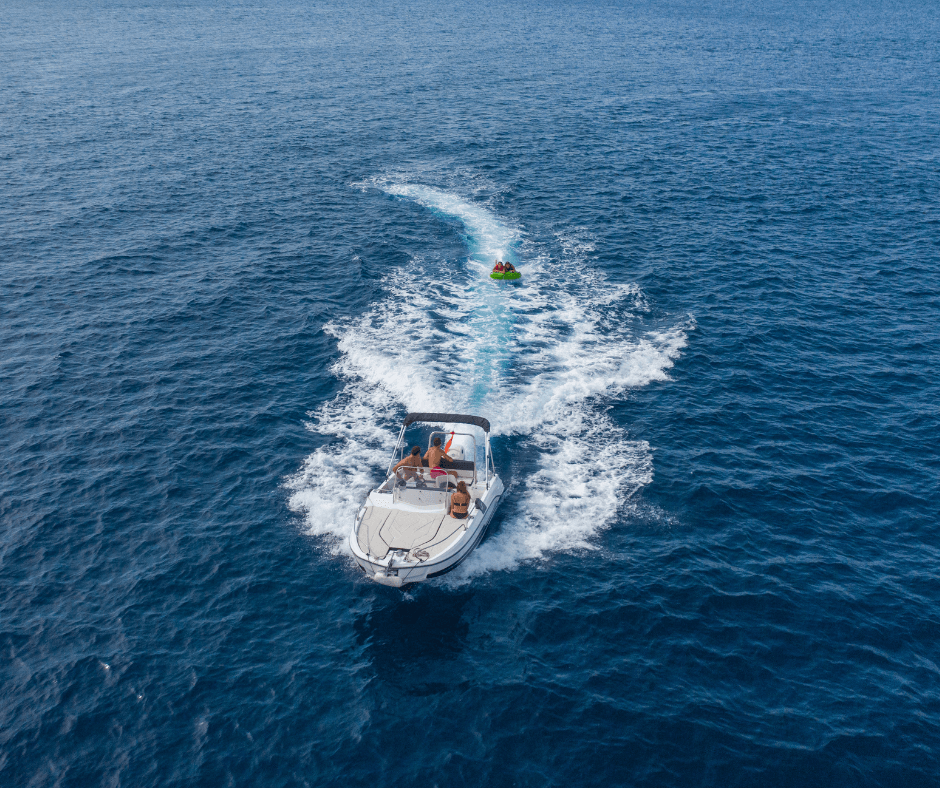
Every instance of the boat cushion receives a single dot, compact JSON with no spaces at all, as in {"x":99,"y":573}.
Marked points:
{"x":454,"y":465}
{"x":407,"y":530}
{"x":370,"y":538}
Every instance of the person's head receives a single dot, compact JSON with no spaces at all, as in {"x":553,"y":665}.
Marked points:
{"x":437,"y":441}
{"x":415,"y":451}
{"x":462,"y":487}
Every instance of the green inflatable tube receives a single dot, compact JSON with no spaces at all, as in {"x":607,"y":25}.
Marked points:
{"x":510,"y":275}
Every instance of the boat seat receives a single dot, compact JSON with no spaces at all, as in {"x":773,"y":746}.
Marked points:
{"x":408,"y":530}
{"x":370,"y":532}
{"x":446,"y":535}
{"x":453,"y":465}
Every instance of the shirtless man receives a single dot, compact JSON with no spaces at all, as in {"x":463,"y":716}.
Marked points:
{"x":434,"y":456}
{"x":413,"y":460}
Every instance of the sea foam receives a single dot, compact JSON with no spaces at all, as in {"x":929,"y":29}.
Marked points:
{"x":540,"y":359}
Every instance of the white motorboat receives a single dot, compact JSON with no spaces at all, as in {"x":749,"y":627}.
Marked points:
{"x":404,"y":532}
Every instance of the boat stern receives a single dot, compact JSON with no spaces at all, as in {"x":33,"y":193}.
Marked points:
{"x":384,"y":578}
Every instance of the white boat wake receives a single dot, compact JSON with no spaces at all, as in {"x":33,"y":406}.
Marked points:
{"x":539,"y":359}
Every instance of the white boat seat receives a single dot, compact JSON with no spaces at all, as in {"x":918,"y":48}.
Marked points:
{"x":408,"y":530}
{"x":369,"y":536}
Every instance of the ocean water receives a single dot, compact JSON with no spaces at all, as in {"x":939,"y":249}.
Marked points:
{"x":238,"y":242}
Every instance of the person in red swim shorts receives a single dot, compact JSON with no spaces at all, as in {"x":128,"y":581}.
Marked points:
{"x":434,"y":456}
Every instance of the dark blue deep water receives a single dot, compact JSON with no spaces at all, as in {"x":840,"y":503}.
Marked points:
{"x":239,"y":242}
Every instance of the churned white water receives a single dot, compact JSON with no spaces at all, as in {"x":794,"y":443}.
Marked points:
{"x":540,"y":359}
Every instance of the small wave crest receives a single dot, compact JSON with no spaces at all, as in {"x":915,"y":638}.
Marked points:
{"x":540,"y":360}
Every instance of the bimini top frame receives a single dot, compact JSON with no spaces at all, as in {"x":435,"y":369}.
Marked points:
{"x":450,"y":418}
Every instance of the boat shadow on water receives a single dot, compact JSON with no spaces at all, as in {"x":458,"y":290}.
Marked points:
{"x":412,"y":643}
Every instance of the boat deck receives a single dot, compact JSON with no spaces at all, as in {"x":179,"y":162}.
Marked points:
{"x":412,"y":517}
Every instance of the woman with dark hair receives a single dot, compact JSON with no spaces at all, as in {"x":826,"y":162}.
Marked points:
{"x":460,"y":502}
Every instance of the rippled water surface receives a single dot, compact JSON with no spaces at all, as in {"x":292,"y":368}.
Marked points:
{"x":239,"y":242}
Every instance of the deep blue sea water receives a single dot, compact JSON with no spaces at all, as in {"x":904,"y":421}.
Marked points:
{"x":238,"y":242}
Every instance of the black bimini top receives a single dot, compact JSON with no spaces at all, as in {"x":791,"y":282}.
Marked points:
{"x":449,"y":418}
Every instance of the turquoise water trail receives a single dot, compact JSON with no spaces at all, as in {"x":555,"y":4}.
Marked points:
{"x":540,"y":359}
{"x":486,"y":351}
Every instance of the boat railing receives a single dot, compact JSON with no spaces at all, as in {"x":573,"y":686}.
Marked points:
{"x":466,"y":469}
{"x":422,"y":486}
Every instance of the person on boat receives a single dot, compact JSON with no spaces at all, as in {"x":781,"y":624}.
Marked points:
{"x":460,"y":502}
{"x":410,"y":462}
{"x":434,"y":456}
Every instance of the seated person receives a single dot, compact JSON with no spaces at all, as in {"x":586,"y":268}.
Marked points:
{"x":460,"y":502}
{"x":434,"y":456}
{"x":410,"y":462}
